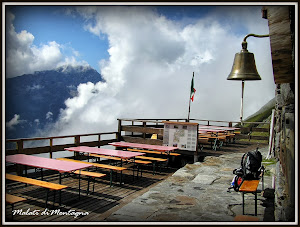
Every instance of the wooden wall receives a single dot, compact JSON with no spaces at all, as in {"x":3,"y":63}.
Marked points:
{"x":281,"y":27}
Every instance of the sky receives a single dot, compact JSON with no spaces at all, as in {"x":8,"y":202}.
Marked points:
{"x":147,"y":56}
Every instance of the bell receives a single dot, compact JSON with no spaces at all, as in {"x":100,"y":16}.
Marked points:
{"x":244,"y":67}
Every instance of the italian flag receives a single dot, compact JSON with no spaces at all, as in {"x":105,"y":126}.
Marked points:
{"x":193,"y":90}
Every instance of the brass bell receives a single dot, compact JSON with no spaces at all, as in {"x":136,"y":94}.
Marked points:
{"x":244,"y":67}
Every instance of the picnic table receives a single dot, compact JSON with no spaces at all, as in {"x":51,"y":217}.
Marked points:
{"x":46,"y":163}
{"x":123,"y":155}
{"x":164,"y":149}
{"x":101,"y":151}
{"x":211,"y":127}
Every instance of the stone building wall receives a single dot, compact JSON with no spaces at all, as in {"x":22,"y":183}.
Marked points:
{"x":281,"y":20}
{"x":285,"y":152}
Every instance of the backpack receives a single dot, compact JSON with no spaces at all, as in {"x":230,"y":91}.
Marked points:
{"x":251,"y":164}
{"x":250,"y":169}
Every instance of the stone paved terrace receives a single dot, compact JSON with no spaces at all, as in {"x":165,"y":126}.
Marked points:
{"x":197,"y":193}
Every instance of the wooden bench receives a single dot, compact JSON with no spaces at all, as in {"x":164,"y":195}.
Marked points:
{"x":153,"y":152}
{"x":90,"y":175}
{"x":98,"y":165}
{"x":118,"y":159}
{"x":249,"y":186}
{"x":139,"y":162}
{"x":44,"y":184}
{"x":213,"y":140}
{"x":12,"y":200}
{"x":245,"y":218}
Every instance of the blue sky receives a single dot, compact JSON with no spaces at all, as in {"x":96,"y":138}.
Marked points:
{"x":53,"y":23}
{"x":144,"y":54}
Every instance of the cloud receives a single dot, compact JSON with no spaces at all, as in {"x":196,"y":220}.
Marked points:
{"x":20,"y":48}
{"x":151,"y":62}
{"x":14,"y":122}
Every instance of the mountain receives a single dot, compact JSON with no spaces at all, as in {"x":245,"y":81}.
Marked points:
{"x":263,"y":112}
{"x":35,"y":100}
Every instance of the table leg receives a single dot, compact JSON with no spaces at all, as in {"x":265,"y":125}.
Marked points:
{"x":121,"y":174}
{"x":111,"y":176}
{"x":88,"y":187}
{"x":94,"y":184}
{"x":25,"y":171}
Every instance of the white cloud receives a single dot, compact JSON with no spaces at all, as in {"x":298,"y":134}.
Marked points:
{"x":14,"y":122}
{"x":150,"y":67}
{"x":49,"y":115}
{"x":34,"y":87}
{"x":29,"y":57}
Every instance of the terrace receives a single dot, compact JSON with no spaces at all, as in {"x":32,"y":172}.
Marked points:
{"x":105,"y":199}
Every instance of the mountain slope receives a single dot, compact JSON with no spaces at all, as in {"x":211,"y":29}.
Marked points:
{"x":34,"y":100}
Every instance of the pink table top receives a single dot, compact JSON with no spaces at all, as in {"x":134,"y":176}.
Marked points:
{"x":46,"y":163}
{"x":144,"y":146}
{"x":204,"y":130}
{"x":217,"y":127}
{"x":102,"y":151}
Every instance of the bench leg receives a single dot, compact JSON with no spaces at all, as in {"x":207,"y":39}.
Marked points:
{"x":47,"y":195}
{"x":243,"y":203}
{"x":79,"y":183}
{"x":54,"y":193}
{"x":12,"y":209}
{"x":255,"y":203}
{"x":60,"y":190}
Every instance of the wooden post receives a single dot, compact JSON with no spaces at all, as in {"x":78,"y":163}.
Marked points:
{"x":51,"y":144}
{"x":77,"y":140}
{"x":20,"y":146}
{"x":119,"y":130}
{"x":271,"y":143}
{"x":77,"y":143}
{"x":99,"y":140}
{"x":144,"y":125}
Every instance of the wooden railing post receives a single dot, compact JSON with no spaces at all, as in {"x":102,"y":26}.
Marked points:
{"x":119,"y":130}
{"x":77,"y":143}
{"x":77,"y":140}
{"x":20,"y":146}
{"x":144,"y":125}
{"x":51,"y":144}
{"x":99,"y":140}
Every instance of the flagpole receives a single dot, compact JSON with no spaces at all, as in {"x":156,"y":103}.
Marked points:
{"x":190,"y":103}
{"x":189,"y":110}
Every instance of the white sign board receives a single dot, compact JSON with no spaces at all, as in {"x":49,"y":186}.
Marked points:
{"x":180,"y":134}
